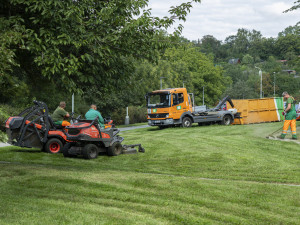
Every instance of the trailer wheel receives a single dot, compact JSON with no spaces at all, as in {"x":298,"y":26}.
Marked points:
{"x":227,"y":120}
{"x":115,"y":149}
{"x":90,"y":151}
{"x":53,"y":146}
{"x":186,"y":122}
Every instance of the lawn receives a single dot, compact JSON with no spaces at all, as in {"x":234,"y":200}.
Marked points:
{"x":200,"y":175}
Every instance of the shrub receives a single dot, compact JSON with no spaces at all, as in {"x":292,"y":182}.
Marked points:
{"x":7,"y":111}
{"x":3,"y":137}
{"x":136,"y":114}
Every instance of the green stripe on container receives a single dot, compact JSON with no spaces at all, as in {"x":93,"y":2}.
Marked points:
{"x":279,"y":107}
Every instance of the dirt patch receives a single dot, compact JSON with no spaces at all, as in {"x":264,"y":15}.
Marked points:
{"x":275,"y":135}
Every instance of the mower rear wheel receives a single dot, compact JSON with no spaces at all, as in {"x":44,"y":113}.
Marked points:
{"x":54,"y":146}
{"x":115,"y":149}
{"x":65,"y":150}
{"x":90,"y":151}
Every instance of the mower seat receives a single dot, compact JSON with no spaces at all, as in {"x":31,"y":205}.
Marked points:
{"x":53,"y":125}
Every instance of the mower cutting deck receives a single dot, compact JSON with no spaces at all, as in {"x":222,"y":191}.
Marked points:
{"x":86,"y":138}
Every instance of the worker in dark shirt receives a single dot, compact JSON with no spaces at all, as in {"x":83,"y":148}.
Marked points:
{"x":60,"y":114}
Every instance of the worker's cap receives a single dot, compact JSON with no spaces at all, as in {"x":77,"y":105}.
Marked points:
{"x":284,"y":93}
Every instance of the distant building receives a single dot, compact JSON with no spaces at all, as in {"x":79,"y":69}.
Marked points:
{"x":234,"y":61}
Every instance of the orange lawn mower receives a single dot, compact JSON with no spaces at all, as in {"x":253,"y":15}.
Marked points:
{"x":34,"y":128}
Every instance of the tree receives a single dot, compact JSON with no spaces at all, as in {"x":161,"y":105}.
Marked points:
{"x":248,"y":59}
{"x":188,"y":64}
{"x":296,"y":6}
{"x":77,"y":44}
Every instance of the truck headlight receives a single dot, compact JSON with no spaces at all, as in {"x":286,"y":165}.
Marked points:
{"x":167,"y":116}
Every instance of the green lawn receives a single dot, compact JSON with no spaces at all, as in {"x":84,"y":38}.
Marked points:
{"x":199,"y":175}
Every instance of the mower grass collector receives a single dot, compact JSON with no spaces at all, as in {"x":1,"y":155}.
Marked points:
{"x":34,"y":128}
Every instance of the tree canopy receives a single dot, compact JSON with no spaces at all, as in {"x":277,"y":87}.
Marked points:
{"x":79,"y":43}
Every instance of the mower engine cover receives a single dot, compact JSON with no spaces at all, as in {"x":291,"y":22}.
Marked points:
{"x":84,"y":131}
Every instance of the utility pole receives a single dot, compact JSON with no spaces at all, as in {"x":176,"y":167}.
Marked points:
{"x":183,"y":83}
{"x":260,"y":74}
{"x":72,"y":102}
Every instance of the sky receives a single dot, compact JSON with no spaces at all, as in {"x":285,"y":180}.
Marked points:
{"x":222,"y":18}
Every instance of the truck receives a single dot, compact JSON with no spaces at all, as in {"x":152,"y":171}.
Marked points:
{"x":176,"y":107}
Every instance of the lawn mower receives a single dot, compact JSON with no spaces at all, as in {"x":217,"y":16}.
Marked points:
{"x":86,"y":138}
{"x":34,"y":128}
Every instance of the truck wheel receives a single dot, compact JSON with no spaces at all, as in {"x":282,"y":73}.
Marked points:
{"x":53,"y":146}
{"x":186,"y":122}
{"x":90,"y":151}
{"x":227,"y":120}
{"x":115,"y":149}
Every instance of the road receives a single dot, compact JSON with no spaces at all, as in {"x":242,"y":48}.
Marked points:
{"x":133,"y":127}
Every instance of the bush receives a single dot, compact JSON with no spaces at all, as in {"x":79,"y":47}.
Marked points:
{"x":136,"y":115}
{"x":7,"y":111}
{"x":3,"y":137}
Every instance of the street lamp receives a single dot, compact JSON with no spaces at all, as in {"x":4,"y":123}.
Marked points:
{"x":260,"y":73}
{"x":274,"y":82}
{"x":161,"y":82}
{"x":183,"y":83}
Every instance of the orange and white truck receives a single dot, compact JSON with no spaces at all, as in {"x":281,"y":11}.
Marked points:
{"x":175,"y":106}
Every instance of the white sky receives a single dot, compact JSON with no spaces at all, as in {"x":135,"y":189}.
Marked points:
{"x":222,"y":18}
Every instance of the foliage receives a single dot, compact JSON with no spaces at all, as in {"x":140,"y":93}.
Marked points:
{"x":136,"y":115}
{"x":80,"y":43}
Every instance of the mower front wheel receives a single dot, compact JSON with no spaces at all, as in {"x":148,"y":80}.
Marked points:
{"x":53,"y":146}
{"x":115,"y":149}
{"x":90,"y":151}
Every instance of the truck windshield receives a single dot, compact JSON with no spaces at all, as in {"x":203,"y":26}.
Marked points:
{"x":159,"y":100}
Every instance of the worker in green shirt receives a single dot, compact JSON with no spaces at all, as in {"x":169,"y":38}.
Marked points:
{"x":93,"y":113}
{"x":60,"y":114}
{"x":290,"y":116}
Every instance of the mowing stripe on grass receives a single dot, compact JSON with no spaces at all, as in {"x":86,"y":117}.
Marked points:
{"x":163,"y":174}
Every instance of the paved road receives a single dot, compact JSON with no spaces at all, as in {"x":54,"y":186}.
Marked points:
{"x":133,"y":128}
{"x":121,"y":129}
{"x":4,"y":144}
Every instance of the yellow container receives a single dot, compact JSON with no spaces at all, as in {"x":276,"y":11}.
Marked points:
{"x":258,"y":110}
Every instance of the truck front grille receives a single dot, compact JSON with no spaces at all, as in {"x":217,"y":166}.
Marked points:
{"x":158,"y":115}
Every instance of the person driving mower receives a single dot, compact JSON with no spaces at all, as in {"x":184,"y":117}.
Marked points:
{"x":60,"y":114}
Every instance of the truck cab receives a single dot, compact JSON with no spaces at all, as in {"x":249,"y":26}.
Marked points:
{"x":175,"y":106}
{"x":165,"y":107}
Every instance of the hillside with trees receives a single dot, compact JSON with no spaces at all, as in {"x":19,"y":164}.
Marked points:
{"x":51,"y":49}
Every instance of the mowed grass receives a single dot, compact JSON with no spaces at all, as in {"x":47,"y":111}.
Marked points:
{"x":201,"y":175}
